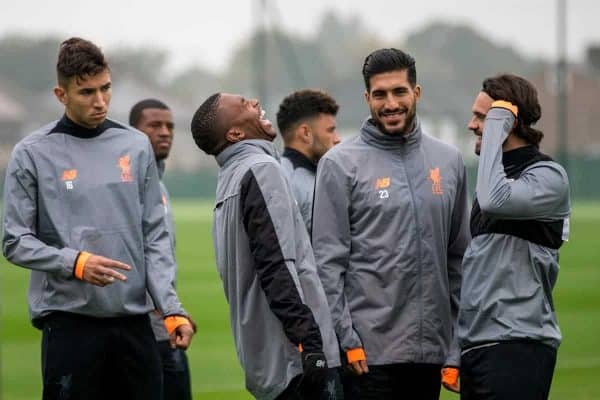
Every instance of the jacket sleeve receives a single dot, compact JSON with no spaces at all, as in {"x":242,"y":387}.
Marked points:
{"x":268,"y":218}
{"x":331,"y":244}
{"x":20,"y":242}
{"x":457,"y":244}
{"x":158,"y":252}
{"x":533,"y":195}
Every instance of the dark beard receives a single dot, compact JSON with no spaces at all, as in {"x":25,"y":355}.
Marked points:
{"x":408,"y":126}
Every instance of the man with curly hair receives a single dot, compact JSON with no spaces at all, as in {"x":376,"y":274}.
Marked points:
{"x":306,"y":121}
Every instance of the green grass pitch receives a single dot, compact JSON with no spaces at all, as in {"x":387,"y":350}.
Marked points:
{"x":215,"y":370}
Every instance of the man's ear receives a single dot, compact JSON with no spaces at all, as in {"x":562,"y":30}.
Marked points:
{"x":61,"y":94}
{"x":304,"y":133}
{"x":417,"y":92}
{"x":367,"y":96}
{"x":234,"y":135}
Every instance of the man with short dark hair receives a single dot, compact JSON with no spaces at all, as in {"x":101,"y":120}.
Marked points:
{"x":83,"y":212}
{"x":279,"y":316}
{"x":508,"y":331}
{"x":306,"y":121}
{"x":389,"y":232}
{"x":155,"y":119}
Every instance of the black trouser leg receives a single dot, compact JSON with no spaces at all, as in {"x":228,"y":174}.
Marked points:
{"x":176,"y":372}
{"x":398,"y":381}
{"x":329,"y":388}
{"x":85,"y":358}
{"x":508,"y":371}
{"x":74,"y":354}
{"x":291,"y":392}
{"x":138,"y":361}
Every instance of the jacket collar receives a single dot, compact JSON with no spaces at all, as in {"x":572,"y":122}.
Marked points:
{"x":161,"y":168}
{"x":67,"y":126}
{"x":299,"y":160}
{"x":518,"y":159}
{"x":371,"y":134}
{"x":244,"y":148}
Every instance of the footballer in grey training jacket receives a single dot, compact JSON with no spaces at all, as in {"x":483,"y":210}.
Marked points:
{"x":520,"y":218}
{"x":390,"y":227}
{"x":263,"y":254}
{"x":66,"y":192}
{"x":389,"y":230}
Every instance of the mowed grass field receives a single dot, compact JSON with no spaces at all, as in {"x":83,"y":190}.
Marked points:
{"x":215,"y":370}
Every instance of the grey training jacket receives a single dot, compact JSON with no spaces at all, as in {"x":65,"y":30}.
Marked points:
{"x":508,"y":278}
{"x":265,"y":260}
{"x":300,"y":172}
{"x":389,"y":230}
{"x":70,"y":189}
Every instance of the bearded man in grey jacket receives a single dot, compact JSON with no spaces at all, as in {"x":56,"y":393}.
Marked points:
{"x":508,"y":329}
{"x":390,"y":227}
{"x":306,"y":121}
{"x":279,"y":316}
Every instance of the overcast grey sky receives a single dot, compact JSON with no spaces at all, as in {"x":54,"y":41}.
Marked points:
{"x":206,"y":32}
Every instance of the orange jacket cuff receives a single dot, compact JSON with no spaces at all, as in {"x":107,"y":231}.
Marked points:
{"x":507,"y":105}
{"x":80,"y":264}
{"x":450,"y":375}
{"x":357,"y":354}
{"x":174,"y":321}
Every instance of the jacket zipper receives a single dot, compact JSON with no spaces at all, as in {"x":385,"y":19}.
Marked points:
{"x":403,"y":154}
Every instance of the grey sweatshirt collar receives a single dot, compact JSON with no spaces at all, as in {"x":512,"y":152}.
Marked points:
{"x":161,"y":168}
{"x":246,"y":147}
{"x":371,"y":134}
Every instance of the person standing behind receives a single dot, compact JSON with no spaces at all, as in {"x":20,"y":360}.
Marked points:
{"x":82,"y":211}
{"x":390,"y":227}
{"x":508,"y":331}
{"x":155,"y":119}
{"x":279,"y":316}
{"x":306,"y":121}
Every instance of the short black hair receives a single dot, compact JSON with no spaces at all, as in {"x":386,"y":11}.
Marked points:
{"x":136,"y":111}
{"x":205,"y":126}
{"x":301,"y":105}
{"x":520,"y":92}
{"x":77,"y":58}
{"x":387,"y":60}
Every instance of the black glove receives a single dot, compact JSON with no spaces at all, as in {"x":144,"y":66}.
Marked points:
{"x":314,"y":364}
{"x":318,"y":381}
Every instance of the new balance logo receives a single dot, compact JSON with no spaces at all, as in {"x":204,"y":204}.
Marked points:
{"x":382,"y":185}
{"x":68,"y":176}
{"x":320,"y":364}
